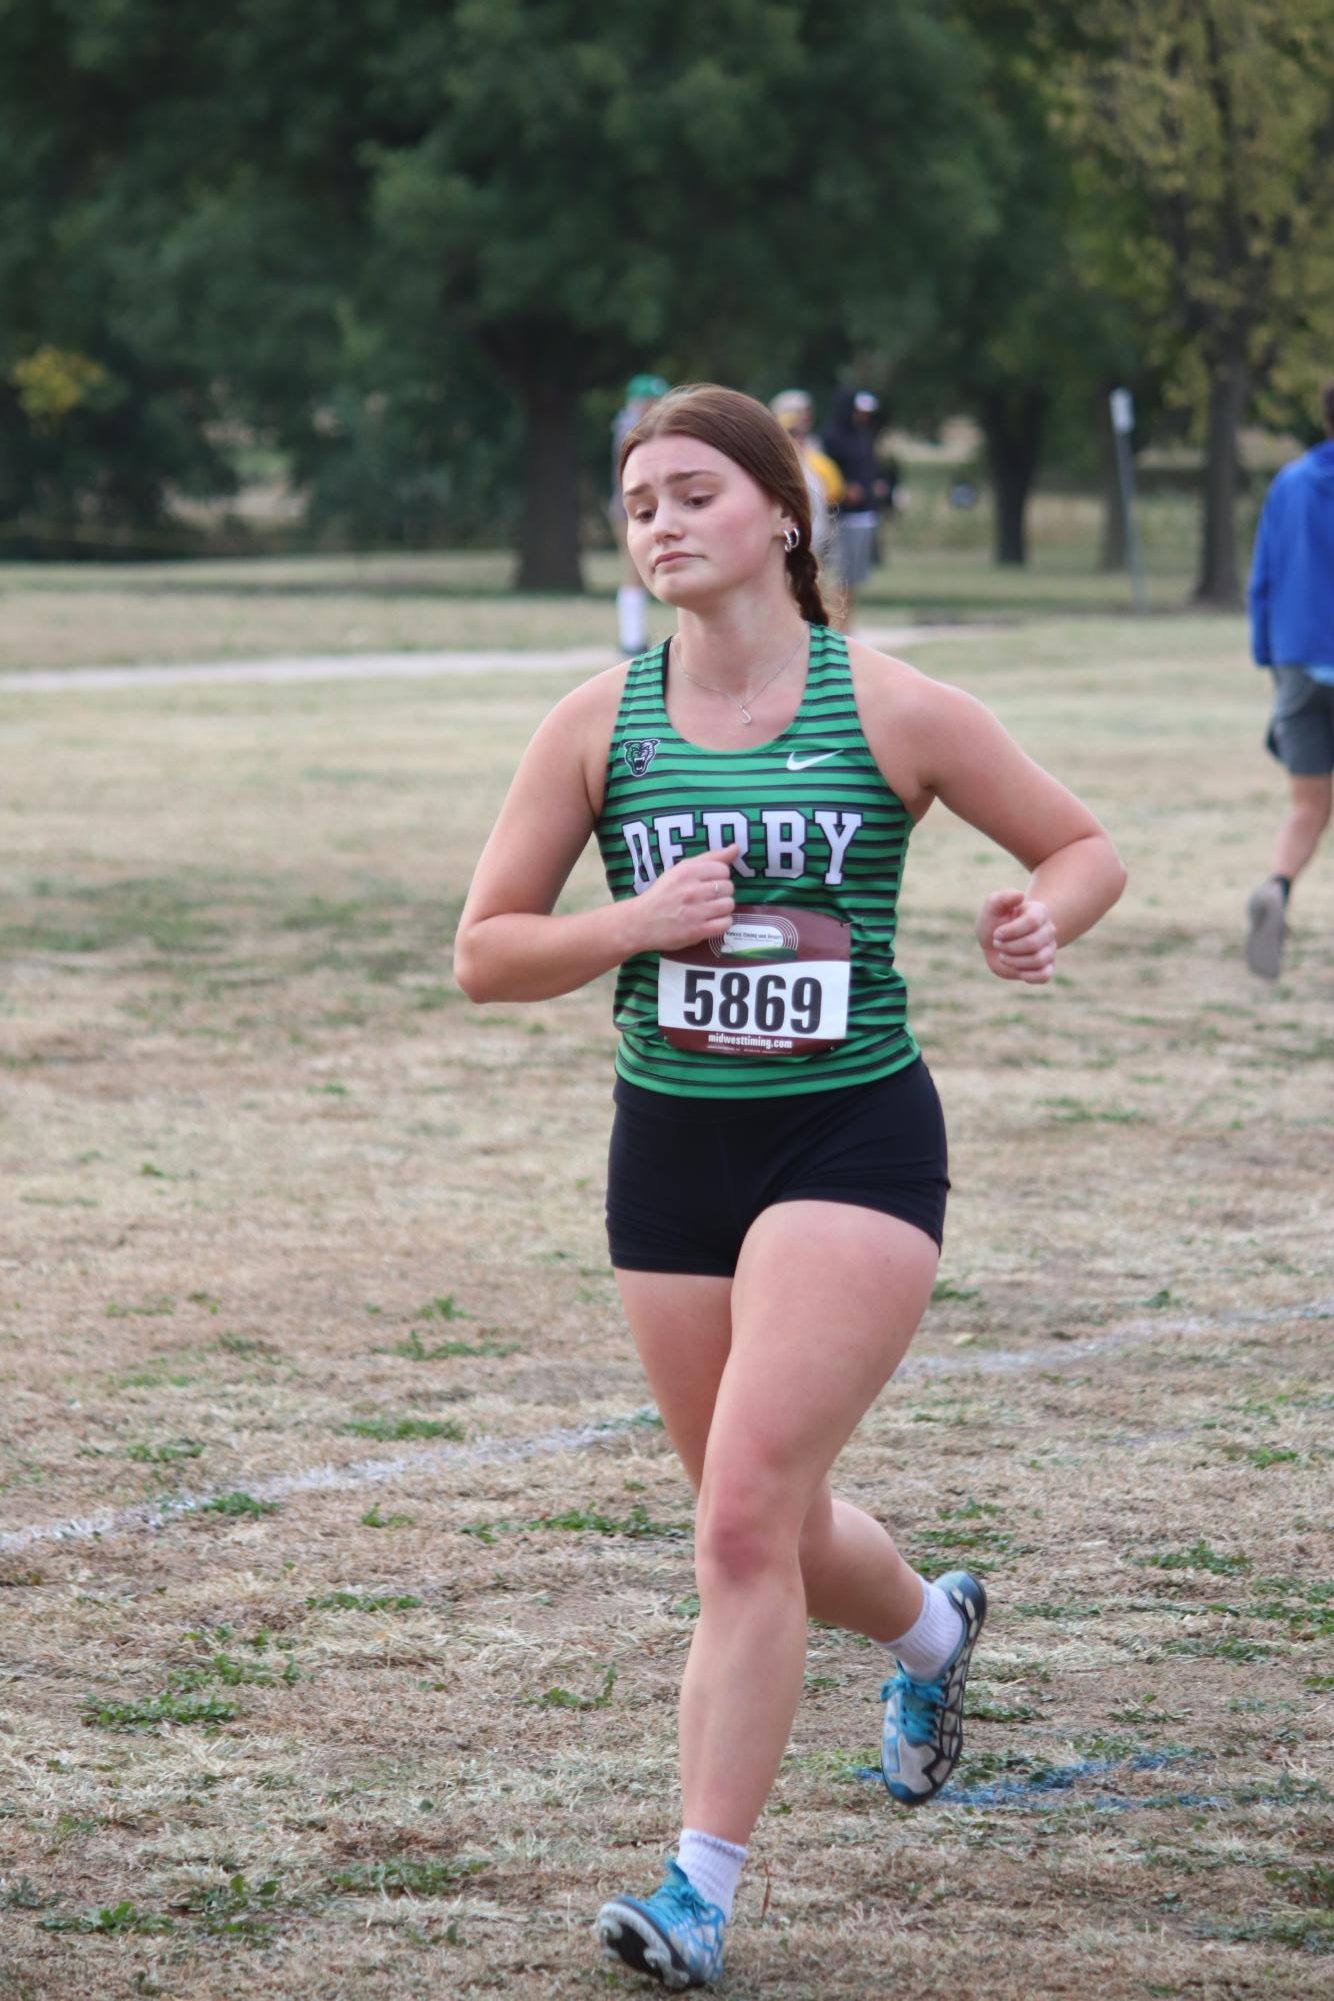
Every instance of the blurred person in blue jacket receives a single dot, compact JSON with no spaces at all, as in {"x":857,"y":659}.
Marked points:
{"x":1292,"y":634}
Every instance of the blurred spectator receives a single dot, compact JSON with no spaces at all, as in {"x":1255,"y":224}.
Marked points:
{"x":641,"y":392}
{"x":796,"y":413}
{"x":850,"y":441}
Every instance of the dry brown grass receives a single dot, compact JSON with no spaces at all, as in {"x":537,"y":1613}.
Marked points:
{"x":65,"y":615}
{"x":271,"y":1179}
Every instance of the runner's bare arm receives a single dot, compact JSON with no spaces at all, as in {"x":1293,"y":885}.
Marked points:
{"x":978,"y":771}
{"x":939,"y":743}
{"x":510,"y":945}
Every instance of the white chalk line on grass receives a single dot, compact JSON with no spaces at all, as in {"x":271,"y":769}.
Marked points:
{"x":569,"y":1439}
{"x":313,"y":1479}
{"x":383,"y":666}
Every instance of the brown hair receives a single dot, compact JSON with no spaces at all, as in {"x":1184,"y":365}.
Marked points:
{"x":752,"y":437}
{"x":1327,"y":406}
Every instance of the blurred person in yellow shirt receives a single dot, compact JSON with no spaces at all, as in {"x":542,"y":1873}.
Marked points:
{"x":796,"y":413}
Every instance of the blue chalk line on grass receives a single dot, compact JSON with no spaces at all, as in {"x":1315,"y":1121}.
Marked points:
{"x":1045,"y":1788}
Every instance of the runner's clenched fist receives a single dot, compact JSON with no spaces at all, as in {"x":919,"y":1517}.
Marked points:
{"x":1017,"y":937}
{"x":689,"y":902}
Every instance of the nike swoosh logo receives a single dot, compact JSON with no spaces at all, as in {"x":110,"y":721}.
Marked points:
{"x":804,"y":763}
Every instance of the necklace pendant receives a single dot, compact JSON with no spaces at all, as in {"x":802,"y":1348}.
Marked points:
{"x":746,"y":716}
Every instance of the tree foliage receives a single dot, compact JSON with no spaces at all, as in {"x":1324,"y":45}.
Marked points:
{"x":86,"y":219}
{"x":700,"y":183}
{"x":341,"y":227}
{"x":1216,"y":119}
{"x":403,"y":240}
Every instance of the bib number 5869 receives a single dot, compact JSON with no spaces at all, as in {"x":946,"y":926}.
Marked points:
{"x":739,"y":1000}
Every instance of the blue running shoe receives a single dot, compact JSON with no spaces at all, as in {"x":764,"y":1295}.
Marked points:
{"x":923,"y":1733}
{"x":675,"y":1936}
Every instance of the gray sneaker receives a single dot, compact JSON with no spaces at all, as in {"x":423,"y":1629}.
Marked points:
{"x":1266,"y":913}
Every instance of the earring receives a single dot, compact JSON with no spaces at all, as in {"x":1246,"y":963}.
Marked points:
{"x":791,"y":538}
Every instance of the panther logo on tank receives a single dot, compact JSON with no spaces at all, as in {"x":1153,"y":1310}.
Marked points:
{"x":639,"y":753}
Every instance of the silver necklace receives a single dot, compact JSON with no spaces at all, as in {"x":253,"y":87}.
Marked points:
{"x":726,"y":693}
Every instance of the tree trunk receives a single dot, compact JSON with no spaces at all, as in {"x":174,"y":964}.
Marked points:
{"x":549,"y":525}
{"x":1112,"y":553}
{"x":1012,"y":422}
{"x":1220,"y":579}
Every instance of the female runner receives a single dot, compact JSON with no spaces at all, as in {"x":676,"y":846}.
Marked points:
{"x":777,"y":1175}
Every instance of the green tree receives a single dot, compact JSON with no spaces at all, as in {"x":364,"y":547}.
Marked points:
{"x":183,"y":204}
{"x":1217,"y":118}
{"x":372,"y":233}
{"x":1020,"y":336}
{"x":1028,"y":338}
{"x":95,"y":141}
{"x":698,"y":183}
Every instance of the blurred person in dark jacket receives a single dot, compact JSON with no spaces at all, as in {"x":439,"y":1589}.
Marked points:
{"x":850,"y":441}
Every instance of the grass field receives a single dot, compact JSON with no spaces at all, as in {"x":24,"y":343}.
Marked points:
{"x":346,"y":1576}
{"x":61,"y":615}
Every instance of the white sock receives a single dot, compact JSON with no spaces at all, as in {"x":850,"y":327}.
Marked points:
{"x":931,"y":1639}
{"x":713,"y":1866}
{"x":631,"y":618}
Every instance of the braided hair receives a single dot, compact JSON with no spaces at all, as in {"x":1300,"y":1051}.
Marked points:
{"x":752,"y":437}
{"x":803,"y":574}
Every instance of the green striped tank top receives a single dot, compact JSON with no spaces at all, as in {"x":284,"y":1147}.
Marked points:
{"x":819,"y":829}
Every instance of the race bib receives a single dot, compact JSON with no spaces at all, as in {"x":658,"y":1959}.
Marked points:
{"x":775,"y":984}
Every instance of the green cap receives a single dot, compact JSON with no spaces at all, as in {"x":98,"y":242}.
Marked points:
{"x":646,"y":385}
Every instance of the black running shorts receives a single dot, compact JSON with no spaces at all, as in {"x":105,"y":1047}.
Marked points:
{"x":687,"y":1177}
